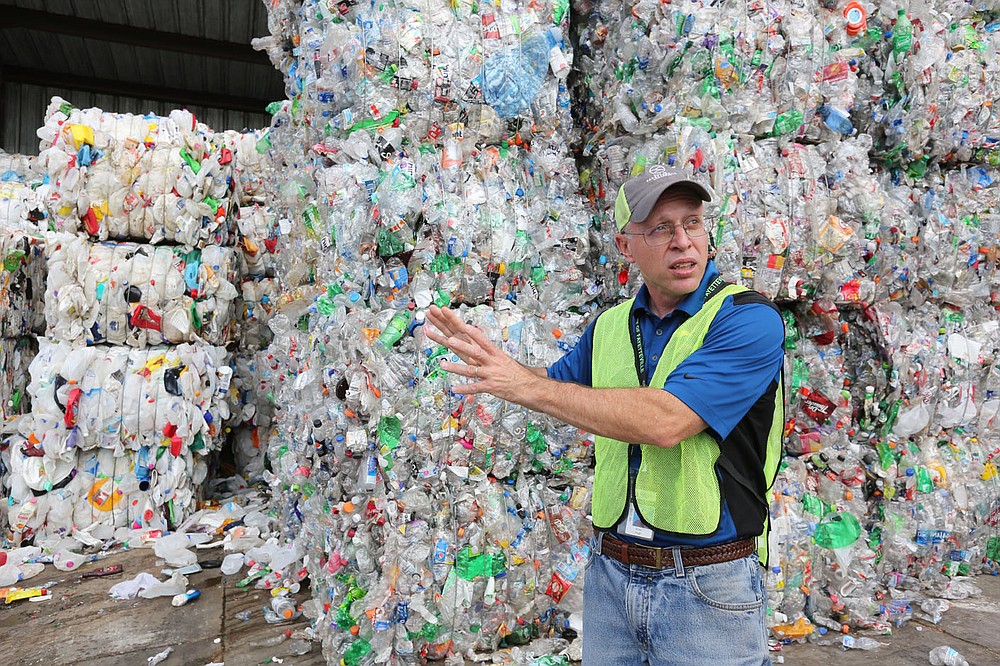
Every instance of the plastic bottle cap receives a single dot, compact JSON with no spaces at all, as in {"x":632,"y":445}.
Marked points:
{"x":857,"y":18}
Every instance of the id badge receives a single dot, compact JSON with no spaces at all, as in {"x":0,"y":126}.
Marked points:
{"x":633,"y":526}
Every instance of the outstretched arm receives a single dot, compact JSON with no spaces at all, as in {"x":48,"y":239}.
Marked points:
{"x":639,"y":415}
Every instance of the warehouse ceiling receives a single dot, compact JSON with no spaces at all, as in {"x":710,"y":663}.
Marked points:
{"x":179,"y":52}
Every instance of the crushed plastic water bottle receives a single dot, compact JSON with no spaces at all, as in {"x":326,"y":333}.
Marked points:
{"x":945,"y":655}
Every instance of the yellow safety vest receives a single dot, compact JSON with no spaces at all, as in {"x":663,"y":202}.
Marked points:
{"x":676,"y":489}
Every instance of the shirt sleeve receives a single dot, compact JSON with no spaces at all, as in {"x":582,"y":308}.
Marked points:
{"x":575,"y":365}
{"x":741,"y":355}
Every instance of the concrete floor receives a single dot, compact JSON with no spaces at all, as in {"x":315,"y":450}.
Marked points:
{"x":971,"y":626}
{"x":83,"y":626}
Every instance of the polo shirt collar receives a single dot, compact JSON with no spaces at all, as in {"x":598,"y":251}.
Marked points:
{"x":692,"y":302}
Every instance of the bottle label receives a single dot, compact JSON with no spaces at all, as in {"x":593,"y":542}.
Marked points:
{"x":557,"y":587}
{"x":931,"y":537}
{"x":441,"y":552}
{"x":818,"y":406}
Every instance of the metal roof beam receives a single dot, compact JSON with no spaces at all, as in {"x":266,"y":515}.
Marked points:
{"x":31,"y":19}
{"x":177,"y":96}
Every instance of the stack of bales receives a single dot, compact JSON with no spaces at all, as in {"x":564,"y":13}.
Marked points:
{"x":130,"y":388}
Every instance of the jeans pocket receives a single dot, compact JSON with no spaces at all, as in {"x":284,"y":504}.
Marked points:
{"x":729,"y":586}
{"x":591,"y":552}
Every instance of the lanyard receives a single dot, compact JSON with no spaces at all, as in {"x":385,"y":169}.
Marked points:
{"x":635,"y":333}
{"x":638,"y":352}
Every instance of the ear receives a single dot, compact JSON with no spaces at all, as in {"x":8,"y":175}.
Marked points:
{"x":623,"y":243}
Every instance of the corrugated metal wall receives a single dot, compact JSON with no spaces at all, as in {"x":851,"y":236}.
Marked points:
{"x":22,"y":111}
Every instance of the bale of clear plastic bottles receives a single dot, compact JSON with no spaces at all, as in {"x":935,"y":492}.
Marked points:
{"x":849,"y":148}
{"x":425,"y":159}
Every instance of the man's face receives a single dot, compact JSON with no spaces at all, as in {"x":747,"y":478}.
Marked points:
{"x":673,"y":270}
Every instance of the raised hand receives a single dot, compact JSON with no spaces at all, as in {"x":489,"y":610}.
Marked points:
{"x":491,"y":370}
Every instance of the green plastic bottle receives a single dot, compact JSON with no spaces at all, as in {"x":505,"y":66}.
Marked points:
{"x":394,"y":330}
{"x":837,"y":530}
{"x":470,"y":566}
{"x":789,"y":121}
{"x":354,"y":654}
{"x":902,"y":36}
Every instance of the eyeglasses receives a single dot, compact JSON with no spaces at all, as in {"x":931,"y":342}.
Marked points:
{"x":662,"y":234}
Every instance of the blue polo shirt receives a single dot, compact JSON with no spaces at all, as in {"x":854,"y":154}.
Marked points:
{"x":741,"y":355}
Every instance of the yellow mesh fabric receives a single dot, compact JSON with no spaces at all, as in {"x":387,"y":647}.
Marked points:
{"x":771,"y":463}
{"x":676,"y":489}
{"x":612,"y":366}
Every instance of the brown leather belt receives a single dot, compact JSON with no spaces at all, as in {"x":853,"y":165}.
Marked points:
{"x":661,"y":558}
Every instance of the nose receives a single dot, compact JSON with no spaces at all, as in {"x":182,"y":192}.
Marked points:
{"x":680,"y":238}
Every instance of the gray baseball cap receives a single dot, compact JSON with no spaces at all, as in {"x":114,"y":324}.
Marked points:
{"x":638,"y":195}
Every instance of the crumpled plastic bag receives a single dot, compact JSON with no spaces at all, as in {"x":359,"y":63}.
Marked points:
{"x":128,"y":589}
{"x":148,"y":586}
{"x":173,"y":548}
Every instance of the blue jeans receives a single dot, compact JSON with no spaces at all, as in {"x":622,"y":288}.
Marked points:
{"x":712,"y":614}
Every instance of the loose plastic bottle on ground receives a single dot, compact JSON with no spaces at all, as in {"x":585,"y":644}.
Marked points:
{"x":946,"y":656}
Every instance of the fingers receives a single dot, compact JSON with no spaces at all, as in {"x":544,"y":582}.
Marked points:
{"x":467,"y":389}
{"x":480,"y":338}
{"x":466,"y":350}
{"x":470,"y":372}
{"x":436,"y":317}
{"x":454,"y":333}
{"x":445,"y":320}
{"x":469,"y":343}
{"x":463,"y":369}
{"x":436,"y":335}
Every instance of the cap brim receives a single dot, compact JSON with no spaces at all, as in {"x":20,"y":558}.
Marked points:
{"x":643,"y":207}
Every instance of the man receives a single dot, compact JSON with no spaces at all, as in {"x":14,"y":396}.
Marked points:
{"x":682,"y":388}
